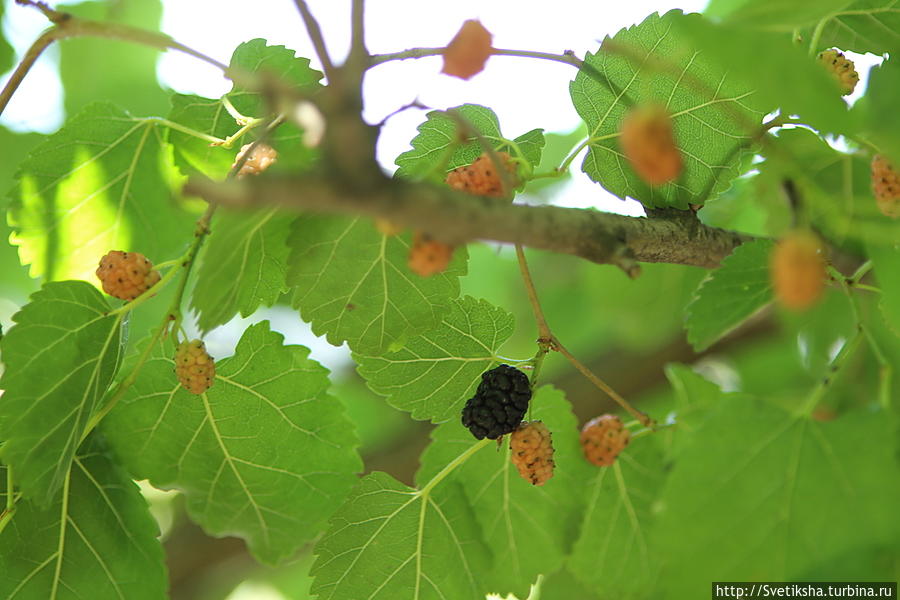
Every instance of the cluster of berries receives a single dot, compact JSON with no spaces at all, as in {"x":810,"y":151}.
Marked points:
{"x":127,"y":275}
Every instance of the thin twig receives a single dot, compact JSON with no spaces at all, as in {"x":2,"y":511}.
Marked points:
{"x":568,"y":57}
{"x":315,"y":35}
{"x":544,"y":333}
{"x":68,"y":26}
{"x":640,"y":416}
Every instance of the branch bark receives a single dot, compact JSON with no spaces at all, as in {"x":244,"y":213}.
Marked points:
{"x":457,"y":218}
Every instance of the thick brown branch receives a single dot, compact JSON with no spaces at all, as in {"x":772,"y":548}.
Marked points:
{"x":457,"y":218}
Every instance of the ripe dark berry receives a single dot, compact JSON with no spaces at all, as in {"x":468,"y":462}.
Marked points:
{"x":499,"y":403}
{"x":532,"y":452}
{"x":195,"y":369}
{"x":126,"y":275}
{"x":603,"y":438}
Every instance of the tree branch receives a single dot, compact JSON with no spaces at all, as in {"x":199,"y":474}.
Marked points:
{"x":456,"y":218}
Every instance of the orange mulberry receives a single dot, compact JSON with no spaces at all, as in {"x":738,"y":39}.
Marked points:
{"x":468,"y":51}
{"x":532,"y":452}
{"x":841,"y":68}
{"x":428,"y":256}
{"x":260,"y":160}
{"x":886,"y":187}
{"x":481,"y":178}
{"x":798,"y":270}
{"x":196,"y":370}
{"x":126,"y":275}
{"x":603,"y":438}
{"x":648,"y":142}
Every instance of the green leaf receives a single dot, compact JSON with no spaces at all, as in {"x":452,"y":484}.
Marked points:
{"x":774,"y":14}
{"x":433,"y":153}
{"x":882,"y":120}
{"x":713,"y":115}
{"x":730,"y":295}
{"x":243,"y":265}
{"x":390,"y":541}
{"x":760,"y":493}
{"x":834,"y":188}
{"x":886,"y":263}
{"x":7,"y":55}
{"x":94,"y":186}
{"x":96,"y":540}
{"x":864,"y":26}
{"x":352,"y":283}
{"x":434,"y":374}
{"x":528,"y":528}
{"x":614,"y":554}
{"x":194,"y":155}
{"x":120,"y":71}
{"x":782,"y":74}
{"x":60,"y":358}
{"x":264,"y":454}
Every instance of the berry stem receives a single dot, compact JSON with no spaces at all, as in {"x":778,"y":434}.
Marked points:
{"x":567,"y":57}
{"x":817,"y":35}
{"x":544,"y":333}
{"x":451,"y":466}
{"x":645,"y":420}
{"x":186,"y":130}
{"x":150,"y":292}
{"x":126,"y":383}
{"x":238,"y":117}
{"x":69,"y":26}
{"x":834,"y":369}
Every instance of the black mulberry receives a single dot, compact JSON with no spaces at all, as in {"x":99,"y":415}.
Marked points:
{"x":499,"y":403}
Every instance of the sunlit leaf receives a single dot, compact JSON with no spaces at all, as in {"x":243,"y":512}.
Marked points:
{"x":390,"y":541}
{"x":60,"y":358}
{"x":438,"y":147}
{"x":774,"y":14}
{"x":863,"y":26}
{"x":713,"y":114}
{"x":243,"y":265}
{"x":97,"y":539}
{"x":435,"y":373}
{"x":120,"y":72}
{"x":94,"y":186}
{"x":782,"y":74}
{"x":731,"y":294}
{"x":264,"y":454}
{"x":353,"y":284}
{"x":208,"y":116}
